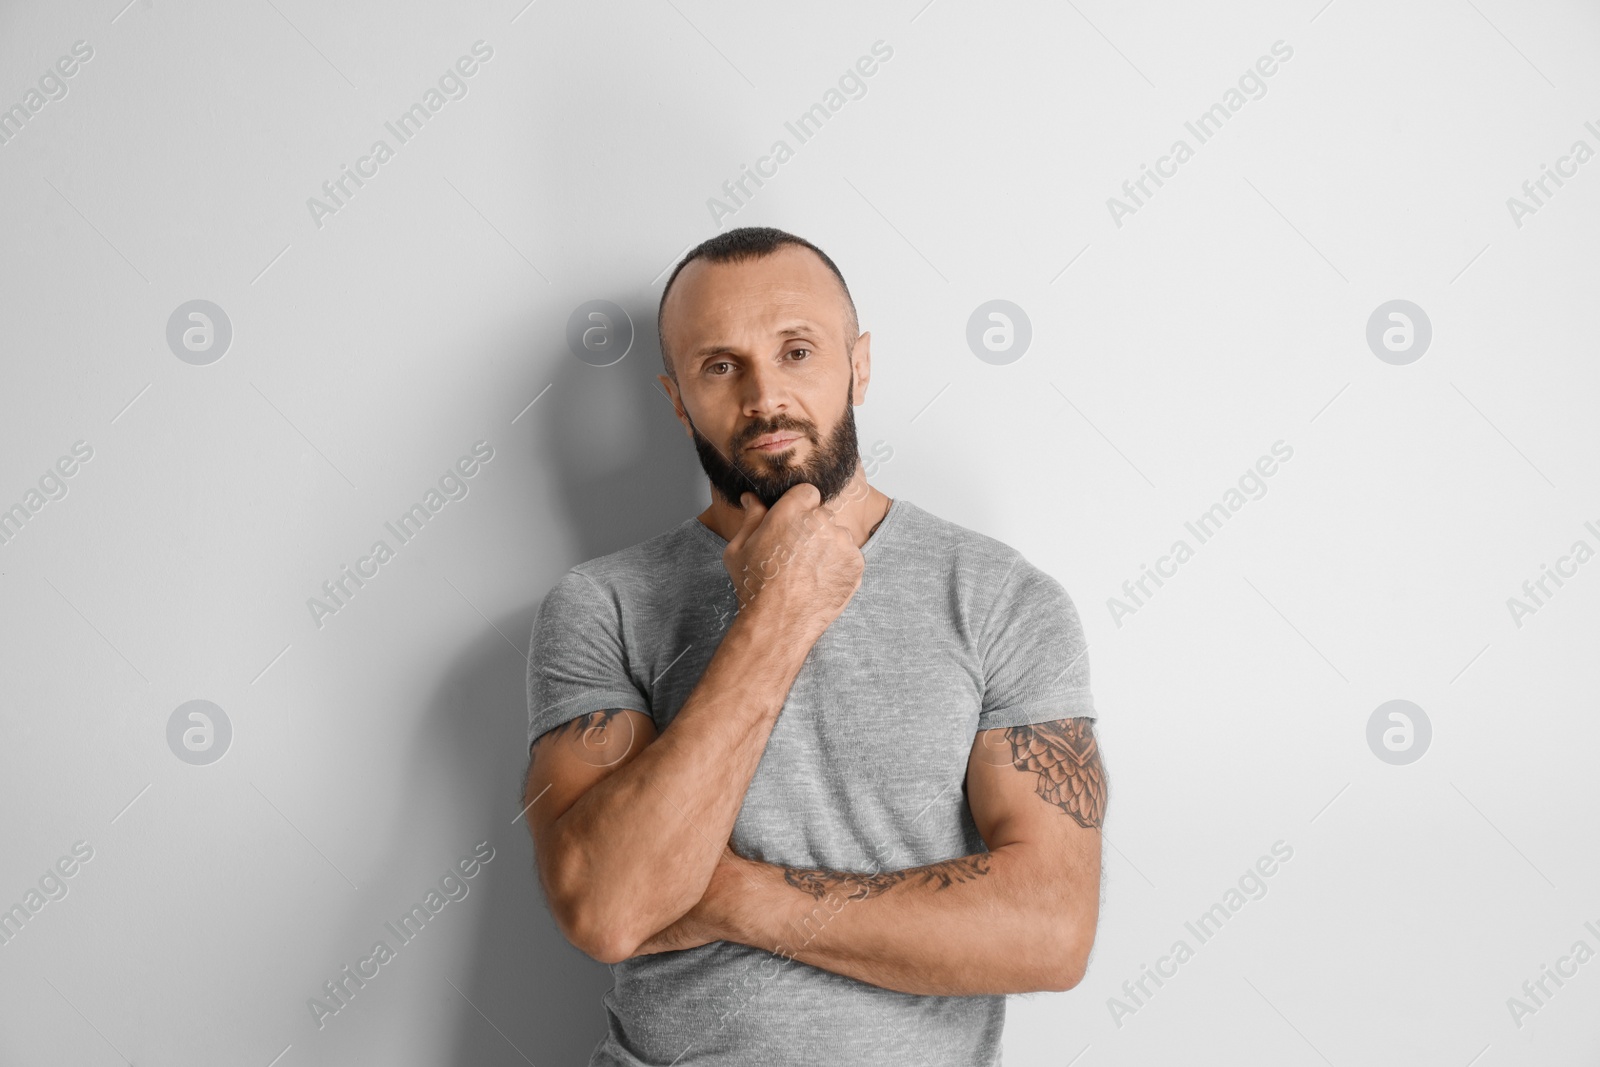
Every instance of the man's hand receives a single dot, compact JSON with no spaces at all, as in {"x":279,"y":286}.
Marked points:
{"x":794,"y":559}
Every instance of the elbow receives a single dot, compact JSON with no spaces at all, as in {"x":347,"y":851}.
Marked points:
{"x":592,"y":928}
{"x":607,"y":946}
{"x":592,"y":932}
{"x":607,"y":915}
{"x":1073,"y":923}
{"x":1069,"y":962}
{"x":601,"y":925}
{"x":582,"y":915}
{"x":1066,"y":975}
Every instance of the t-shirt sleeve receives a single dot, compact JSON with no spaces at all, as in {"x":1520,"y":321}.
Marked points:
{"x":1035,"y":654}
{"x":576,"y":661}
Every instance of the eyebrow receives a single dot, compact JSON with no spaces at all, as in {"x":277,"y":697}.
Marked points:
{"x":799,"y":328}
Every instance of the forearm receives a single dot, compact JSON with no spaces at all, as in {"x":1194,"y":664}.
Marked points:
{"x":994,"y":922}
{"x":638,"y":849}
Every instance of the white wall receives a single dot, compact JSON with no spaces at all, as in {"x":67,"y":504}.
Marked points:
{"x":1168,"y":353}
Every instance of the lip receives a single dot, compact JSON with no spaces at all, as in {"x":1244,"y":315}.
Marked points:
{"x":773,"y":442}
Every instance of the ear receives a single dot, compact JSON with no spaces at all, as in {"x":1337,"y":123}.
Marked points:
{"x":670,"y":387}
{"x":861,"y":359}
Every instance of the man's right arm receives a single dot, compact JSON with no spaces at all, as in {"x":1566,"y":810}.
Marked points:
{"x":629,"y":826}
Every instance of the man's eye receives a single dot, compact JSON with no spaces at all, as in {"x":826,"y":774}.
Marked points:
{"x":805,"y":351}
{"x":714,"y":366}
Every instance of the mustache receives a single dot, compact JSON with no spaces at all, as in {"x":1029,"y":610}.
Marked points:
{"x":776,"y":424}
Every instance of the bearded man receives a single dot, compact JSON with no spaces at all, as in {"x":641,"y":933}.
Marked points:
{"x":815,"y":770}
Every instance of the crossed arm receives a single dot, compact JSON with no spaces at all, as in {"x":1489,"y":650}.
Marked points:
{"x":1017,"y":918}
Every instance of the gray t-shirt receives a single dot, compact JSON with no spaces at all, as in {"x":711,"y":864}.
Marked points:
{"x":951,"y":632}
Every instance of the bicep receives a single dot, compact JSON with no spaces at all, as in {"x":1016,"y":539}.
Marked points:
{"x":1043,"y":784}
{"x":569,"y":760}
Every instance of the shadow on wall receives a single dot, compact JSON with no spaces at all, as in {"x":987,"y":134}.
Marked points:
{"x":623,"y":470}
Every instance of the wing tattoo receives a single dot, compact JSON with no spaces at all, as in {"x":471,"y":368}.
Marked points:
{"x":1065,"y":757}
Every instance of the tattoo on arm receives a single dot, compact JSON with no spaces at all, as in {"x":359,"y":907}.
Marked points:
{"x":593,"y":738}
{"x":1066,"y":759}
{"x":819,"y":882}
{"x":588,"y":728}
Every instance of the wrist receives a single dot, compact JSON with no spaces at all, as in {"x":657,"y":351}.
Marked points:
{"x":766,"y":620}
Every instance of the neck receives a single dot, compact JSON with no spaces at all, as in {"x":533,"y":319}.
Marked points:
{"x":858,"y":508}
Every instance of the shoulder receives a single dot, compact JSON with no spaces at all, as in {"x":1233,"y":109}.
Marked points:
{"x":995,"y":580}
{"x":972,"y":555}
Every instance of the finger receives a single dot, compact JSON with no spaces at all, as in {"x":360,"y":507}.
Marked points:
{"x":801,"y":497}
{"x":754,"y":512}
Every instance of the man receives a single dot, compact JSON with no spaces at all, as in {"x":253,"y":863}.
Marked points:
{"x":815,"y":771}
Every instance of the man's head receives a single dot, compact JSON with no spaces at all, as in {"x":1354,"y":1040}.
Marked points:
{"x":761,"y":343}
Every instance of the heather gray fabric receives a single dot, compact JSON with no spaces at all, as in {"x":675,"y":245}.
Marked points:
{"x":951,"y":632}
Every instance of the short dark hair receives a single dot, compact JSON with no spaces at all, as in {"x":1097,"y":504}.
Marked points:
{"x":747,"y":242}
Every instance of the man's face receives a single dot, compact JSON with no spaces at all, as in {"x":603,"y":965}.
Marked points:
{"x":766,"y":377}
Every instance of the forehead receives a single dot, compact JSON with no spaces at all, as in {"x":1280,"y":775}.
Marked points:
{"x":715,"y":303}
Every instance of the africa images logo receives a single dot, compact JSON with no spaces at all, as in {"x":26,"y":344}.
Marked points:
{"x":453,"y":485}
{"x":452,"y":86}
{"x":453,"y":887}
{"x":852,"y":85}
{"x":1205,"y":126}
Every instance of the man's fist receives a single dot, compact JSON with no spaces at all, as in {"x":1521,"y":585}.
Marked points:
{"x":793,"y":560}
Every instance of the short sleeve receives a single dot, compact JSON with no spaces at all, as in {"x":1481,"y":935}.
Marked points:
{"x":576,"y":661}
{"x":1035,"y":654}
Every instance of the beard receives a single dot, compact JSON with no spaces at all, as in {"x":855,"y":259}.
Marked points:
{"x":830,"y":468}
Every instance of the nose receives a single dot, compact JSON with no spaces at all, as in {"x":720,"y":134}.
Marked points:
{"x":765,"y":392}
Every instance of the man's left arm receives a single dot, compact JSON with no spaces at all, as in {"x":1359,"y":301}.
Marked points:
{"x":1018,"y":918}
